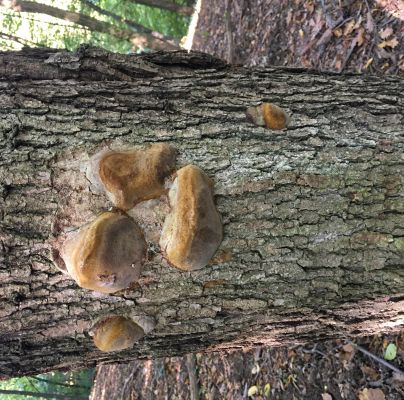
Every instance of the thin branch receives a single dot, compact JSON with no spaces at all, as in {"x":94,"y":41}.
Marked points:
{"x":136,"y":27}
{"x":380,"y":360}
{"x":166,"y":5}
{"x":60,"y":383}
{"x":131,"y":24}
{"x":42,"y":395}
{"x":18,"y":15}
{"x":28,"y":378}
{"x":17,"y":39}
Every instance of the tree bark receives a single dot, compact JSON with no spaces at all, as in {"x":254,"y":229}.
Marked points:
{"x":138,"y":39}
{"x":166,"y":5}
{"x":313,"y":215}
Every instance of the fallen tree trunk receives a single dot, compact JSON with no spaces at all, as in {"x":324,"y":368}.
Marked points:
{"x":313,"y":215}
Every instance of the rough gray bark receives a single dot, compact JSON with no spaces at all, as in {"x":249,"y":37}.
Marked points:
{"x":313,"y":215}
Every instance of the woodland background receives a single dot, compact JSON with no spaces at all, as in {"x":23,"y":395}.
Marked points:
{"x":330,"y":35}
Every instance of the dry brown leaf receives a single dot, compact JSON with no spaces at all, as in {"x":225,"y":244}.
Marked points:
{"x":348,"y":348}
{"x":371,"y":394}
{"x":289,"y":17}
{"x":326,"y":396}
{"x":337,"y":32}
{"x":347,"y":353}
{"x":349,"y":27}
{"x":360,"y":37}
{"x":310,"y":7}
{"x":398,"y":377}
{"x":392,"y":42}
{"x":370,"y":372}
{"x":388,"y":43}
{"x":370,"y":25}
{"x":386,"y":32}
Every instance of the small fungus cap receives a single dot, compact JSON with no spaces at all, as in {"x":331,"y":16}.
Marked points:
{"x":269,"y":115}
{"x":116,"y":333}
{"x":107,"y":254}
{"x":130,"y":177}
{"x":193,"y":230}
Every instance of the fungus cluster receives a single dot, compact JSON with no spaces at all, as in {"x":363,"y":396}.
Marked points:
{"x":108,"y":254}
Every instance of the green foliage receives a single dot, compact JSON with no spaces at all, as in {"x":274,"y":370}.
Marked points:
{"x":76,"y":384}
{"x":42,"y":30}
{"x":11,"y":24}
{"x":109,"y":42}
{"x":390,"y":352}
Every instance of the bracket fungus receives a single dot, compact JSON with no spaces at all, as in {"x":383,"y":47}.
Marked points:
{"x":132,"y":176}
{"x":116,"y":333}
{"x":269,"y":115}
{"x":192,"y":231}
{"x":106,"y":255}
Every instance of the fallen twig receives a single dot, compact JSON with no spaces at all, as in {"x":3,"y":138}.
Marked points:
{"x":380,"y":360}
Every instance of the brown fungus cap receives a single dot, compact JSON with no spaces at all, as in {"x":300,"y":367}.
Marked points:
{"x":107,"y":254}
{"x":193,"y":230}
{"x":116,"y":333}
{"x":269,"y":115}
{"x":130,"y":177}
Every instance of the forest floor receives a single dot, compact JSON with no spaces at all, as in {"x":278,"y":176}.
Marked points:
{"x":334,"y":370}
{"x":326,"y":35}
{"x":333,"y":35}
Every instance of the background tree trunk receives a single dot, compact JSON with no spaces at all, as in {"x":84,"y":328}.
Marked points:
{"x":313,"y":215}
{"x":166,"y":5}
{"x":142,"y":38}
{"x":130,"y":24}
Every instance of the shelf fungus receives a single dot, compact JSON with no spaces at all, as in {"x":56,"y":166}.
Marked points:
{"x":193,"y":229}
{"x":116,"y":333}
{"x":132,"y":176}
{"x":106,"y":255}
{"x":268,"y":115}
